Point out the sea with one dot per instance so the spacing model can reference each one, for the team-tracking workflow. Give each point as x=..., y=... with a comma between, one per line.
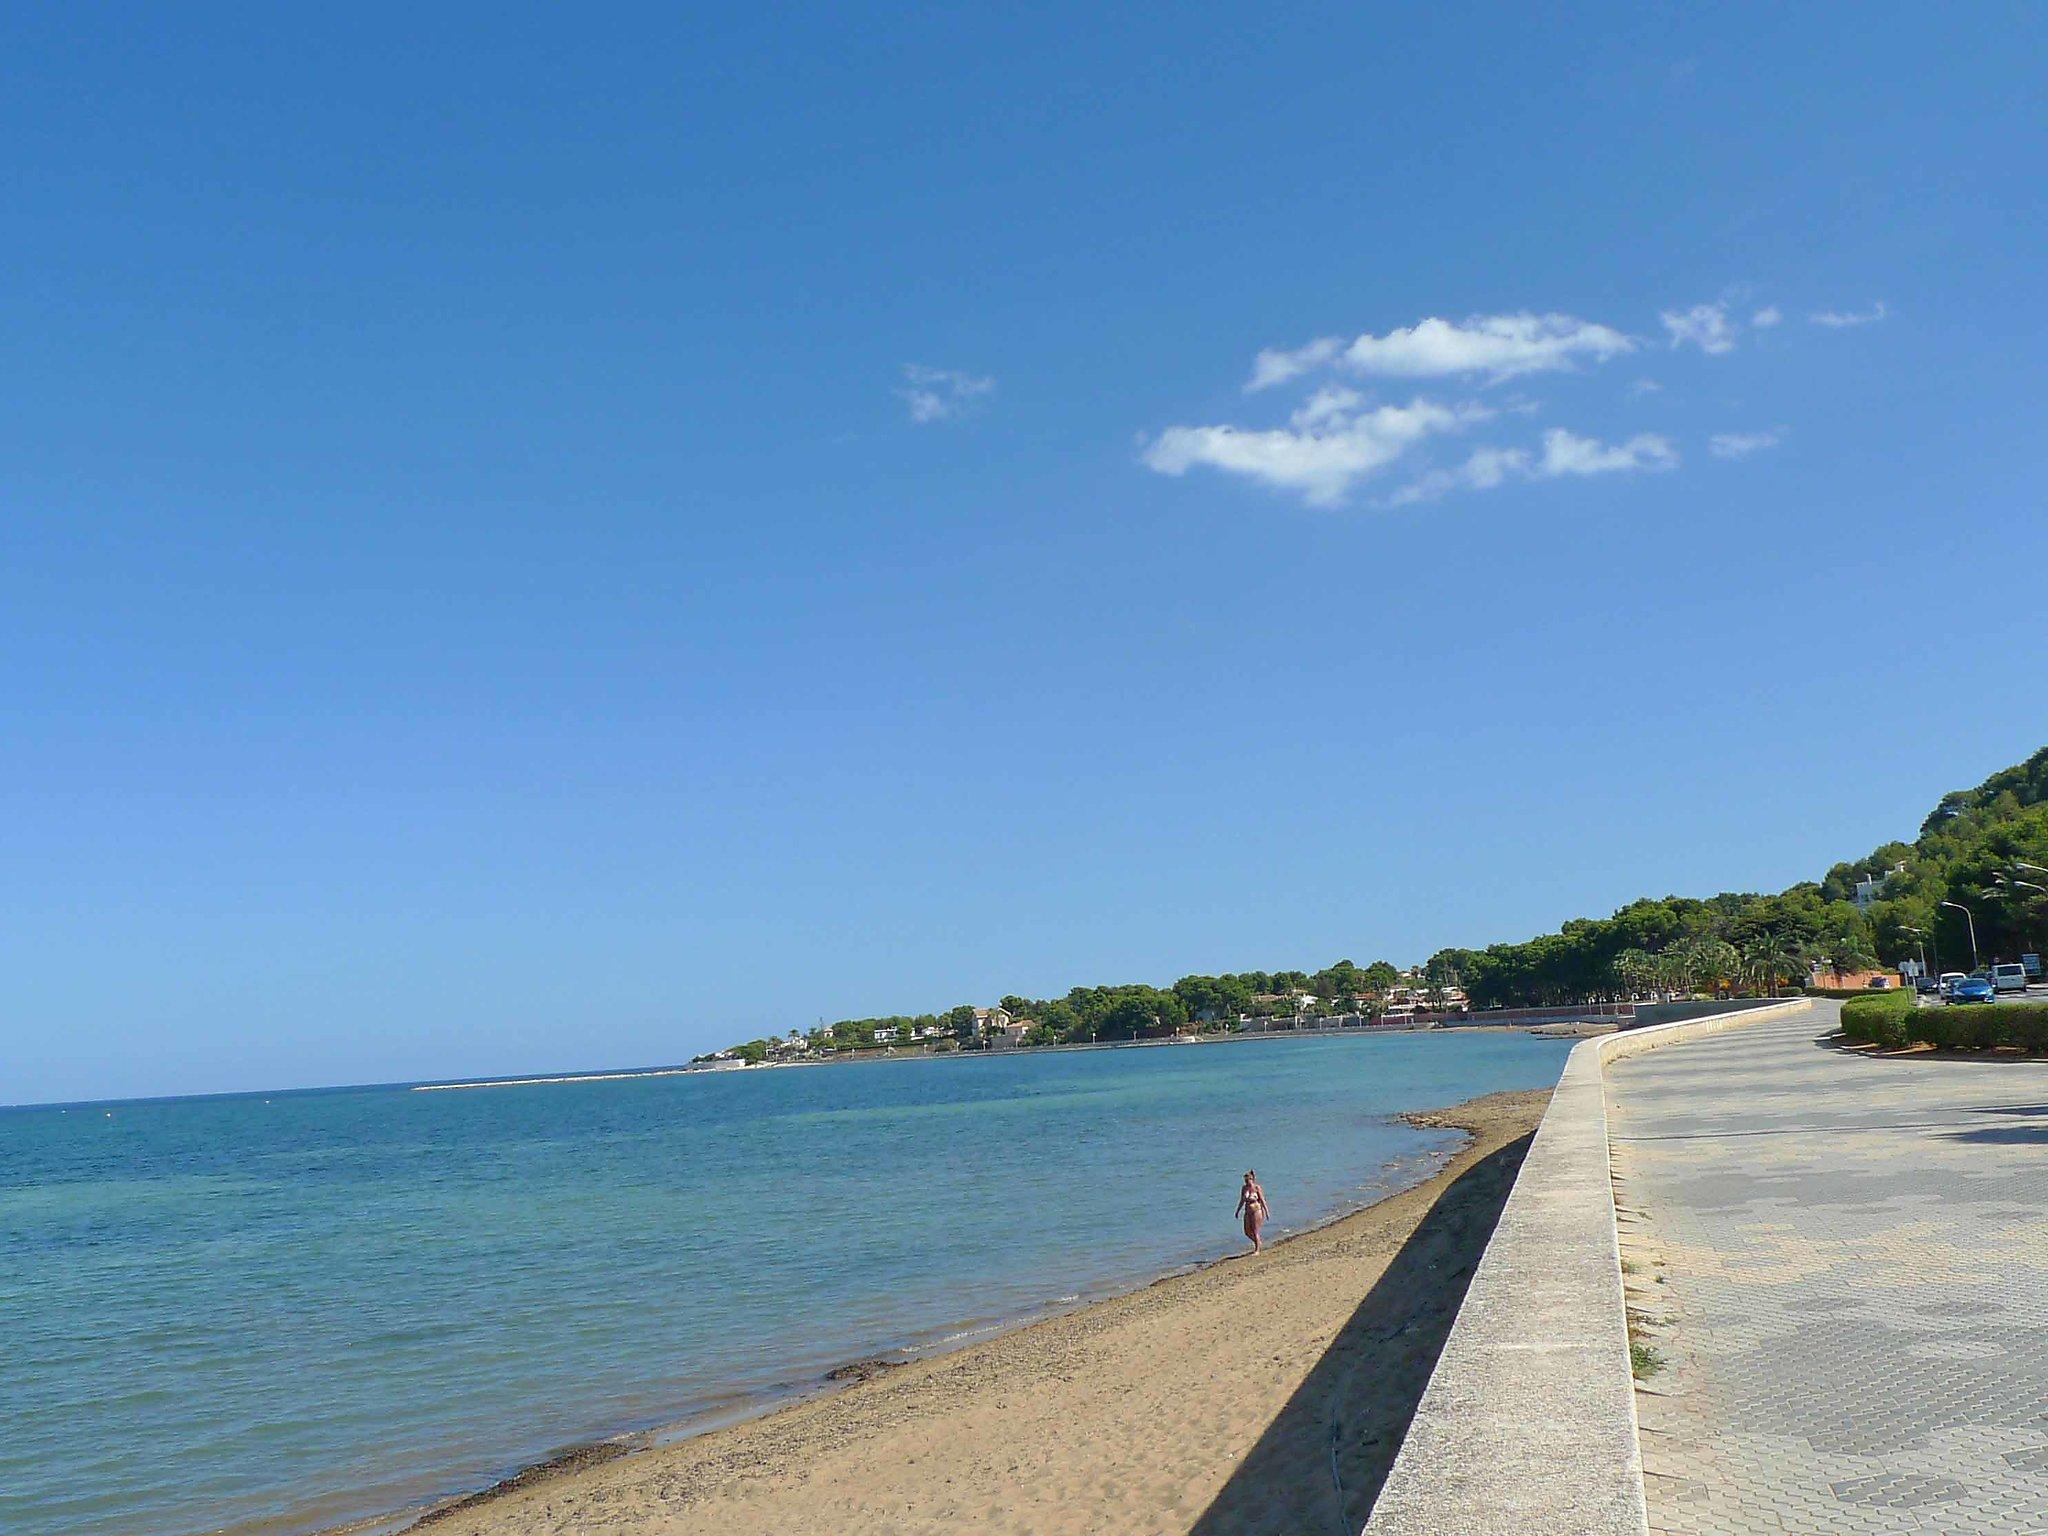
x=269, y=1314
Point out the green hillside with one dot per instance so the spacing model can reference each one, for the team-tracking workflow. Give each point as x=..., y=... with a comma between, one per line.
x=1985, y=848
x=1977, y=848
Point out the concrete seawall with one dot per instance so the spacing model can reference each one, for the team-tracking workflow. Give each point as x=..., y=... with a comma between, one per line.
x=1528, y=1425
x=1651, y=1014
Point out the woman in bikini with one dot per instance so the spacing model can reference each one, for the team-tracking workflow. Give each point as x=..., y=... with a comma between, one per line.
x=1251, y=1205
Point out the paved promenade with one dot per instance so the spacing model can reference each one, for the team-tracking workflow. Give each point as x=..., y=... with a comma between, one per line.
x=1854, y=1257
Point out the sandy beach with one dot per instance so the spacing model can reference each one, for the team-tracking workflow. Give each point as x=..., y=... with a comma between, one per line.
x=1256, y=1395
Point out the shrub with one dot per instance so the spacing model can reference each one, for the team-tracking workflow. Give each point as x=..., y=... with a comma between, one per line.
x=1954, y=1029
x=1882, y=1018
x=1894, y=1023
x=2025, y=1025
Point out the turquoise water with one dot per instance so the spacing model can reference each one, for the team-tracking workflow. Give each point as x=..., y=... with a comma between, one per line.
x=282, y=1313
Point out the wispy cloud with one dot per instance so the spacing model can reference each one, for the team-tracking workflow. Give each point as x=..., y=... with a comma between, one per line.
x=1482, y=471
x=1704, y=326
x=1563, y=453
x=1494, y=346
x=942, y=394
x=1767, y=317
x=1566, y=453
x=1740, y=445
x=1328, y=446
x=1643, y=387
x=1841, y=319
x=1276, y=366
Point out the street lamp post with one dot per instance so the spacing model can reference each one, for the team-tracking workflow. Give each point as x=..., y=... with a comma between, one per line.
x=2027, y=885
x=1972, y=921
x=1919, y=934
x=1999, y=892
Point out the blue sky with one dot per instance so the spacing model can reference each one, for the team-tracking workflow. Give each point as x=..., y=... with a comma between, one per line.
x=534, y=540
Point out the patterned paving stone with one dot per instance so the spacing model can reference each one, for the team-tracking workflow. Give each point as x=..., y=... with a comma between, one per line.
x=1845, y=1263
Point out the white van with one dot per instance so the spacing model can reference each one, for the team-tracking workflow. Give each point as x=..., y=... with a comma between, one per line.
x=2008, y=978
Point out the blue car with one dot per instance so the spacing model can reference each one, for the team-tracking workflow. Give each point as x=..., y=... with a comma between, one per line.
x=1971, y=989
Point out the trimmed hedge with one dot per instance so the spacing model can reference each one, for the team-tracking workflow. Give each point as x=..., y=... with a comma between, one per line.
x=1894, y=1021
x=1848, y=992
x=1879, y=1017
x=1979, y=1027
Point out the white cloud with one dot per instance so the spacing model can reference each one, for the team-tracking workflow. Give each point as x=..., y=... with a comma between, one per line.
x=1767, y=317
x=941, y=394
x=1704, y=325
x=1328, y=446
x=1338, y=438
x=1497, y=346
x=1327, y=405
x=1837, y=319
x=1564, y=453
x=1485, y=469
x=1274, y=366
x=1740, y=445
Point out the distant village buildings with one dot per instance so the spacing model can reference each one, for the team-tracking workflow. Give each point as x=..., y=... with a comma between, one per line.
x=1410, y=1002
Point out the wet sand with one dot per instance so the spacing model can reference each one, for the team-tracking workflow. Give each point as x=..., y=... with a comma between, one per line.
x=1258, y=1395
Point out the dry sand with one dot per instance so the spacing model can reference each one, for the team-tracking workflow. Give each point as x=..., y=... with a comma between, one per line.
x=1257, y=1395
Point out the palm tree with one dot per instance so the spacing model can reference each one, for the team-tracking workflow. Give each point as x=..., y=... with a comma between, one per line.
x=1635, y=971
x=1771, y=957
x=1703, y=964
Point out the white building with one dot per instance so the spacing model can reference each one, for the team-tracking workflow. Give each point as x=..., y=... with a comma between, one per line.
x=1871, y=887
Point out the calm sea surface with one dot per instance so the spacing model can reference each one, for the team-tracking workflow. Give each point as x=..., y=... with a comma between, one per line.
x=285, y=1312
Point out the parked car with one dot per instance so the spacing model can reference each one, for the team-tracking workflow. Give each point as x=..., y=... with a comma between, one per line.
x=1926, y=983
x=2009, y=978
x=1949, y=980
x=1971, y=989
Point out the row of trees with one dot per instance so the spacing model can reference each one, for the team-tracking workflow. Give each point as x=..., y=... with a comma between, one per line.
x=1672, y=945
x=1668, y=946
x=1129, y=1012
x=1981, y=860
x=1133, y=1012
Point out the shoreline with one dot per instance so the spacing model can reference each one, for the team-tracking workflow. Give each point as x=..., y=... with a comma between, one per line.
x=729, y=1455
x=1549, y=1030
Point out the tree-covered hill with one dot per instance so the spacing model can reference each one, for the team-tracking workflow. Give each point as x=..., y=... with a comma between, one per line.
x=1984, y=849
